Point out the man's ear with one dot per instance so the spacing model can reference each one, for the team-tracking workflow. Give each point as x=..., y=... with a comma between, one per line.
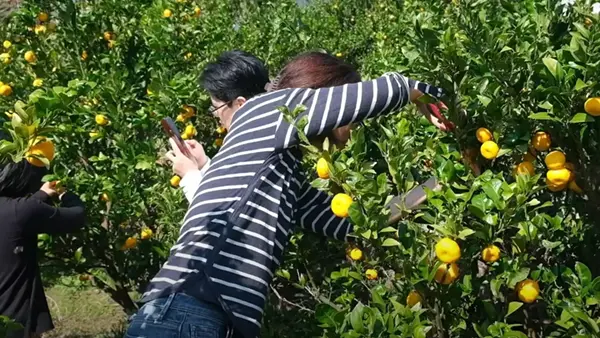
x=240, y=100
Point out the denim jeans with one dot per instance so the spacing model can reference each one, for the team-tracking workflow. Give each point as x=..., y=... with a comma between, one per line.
x=179, y=316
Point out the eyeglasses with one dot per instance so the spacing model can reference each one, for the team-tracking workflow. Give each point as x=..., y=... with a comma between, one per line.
x=213, y=109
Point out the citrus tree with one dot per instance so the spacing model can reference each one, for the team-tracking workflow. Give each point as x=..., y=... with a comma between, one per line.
x=505, y=248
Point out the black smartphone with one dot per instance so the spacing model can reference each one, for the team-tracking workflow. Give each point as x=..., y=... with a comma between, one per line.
x=172, y=132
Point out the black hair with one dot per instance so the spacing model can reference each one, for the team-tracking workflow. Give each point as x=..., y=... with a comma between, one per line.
x=235, y=73
x=19, y=179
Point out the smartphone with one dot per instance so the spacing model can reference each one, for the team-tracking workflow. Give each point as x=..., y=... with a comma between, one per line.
x=172, y=132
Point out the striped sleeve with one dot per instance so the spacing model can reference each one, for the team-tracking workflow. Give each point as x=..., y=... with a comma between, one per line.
x=330, y=108
x=315, y=214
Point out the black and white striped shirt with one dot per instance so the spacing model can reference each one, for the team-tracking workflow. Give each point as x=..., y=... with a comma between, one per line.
x=254, y=192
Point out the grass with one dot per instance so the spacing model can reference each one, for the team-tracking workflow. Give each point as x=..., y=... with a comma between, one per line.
x=84, y=313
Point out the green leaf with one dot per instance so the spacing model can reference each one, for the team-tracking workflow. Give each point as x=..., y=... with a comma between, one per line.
x=390, y=242
x=580, y=85
x=376, y=298
x=542, y=116
x=584, y=274
x=465, y=233
x=552, y=65
x=325, y=314
x=581, y=118
x=356, y=318
x=143, y=165
x=512, y=307
x=517, y=276
x=387, y=229
x=484, y=100
x=78, y=255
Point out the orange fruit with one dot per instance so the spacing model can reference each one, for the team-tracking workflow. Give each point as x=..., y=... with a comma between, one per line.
x=555, y=160
x=40, y=148
x=105, y=197
x=491, y=253
x=555, y=187
x=340, y=205
x=130, y=243
x=447, y=273
x=356, y=254
x=146, y=233
x=43, y=17
x=541, y=141
x=484, y=135
x=101, y=120
x=323, y=168
x=197, y=11
x=30, y=56
x=558, y=177
x=108, y=36
x=592, y=106
x=38, y=82
x=5, y=90
x=175, y=180
x=525, y=168
x=371, y=274
x=489, y=150
x=219, y=142
x=167, y=13
x=447, y=250
x=84, y=55
x=413, y=298
x=528, y=290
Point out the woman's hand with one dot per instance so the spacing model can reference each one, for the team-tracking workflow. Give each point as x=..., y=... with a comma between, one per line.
x=53, y=189
x=197, y=151
x=181, y=163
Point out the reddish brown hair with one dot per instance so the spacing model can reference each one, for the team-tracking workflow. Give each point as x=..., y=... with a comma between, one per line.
x=316, y=70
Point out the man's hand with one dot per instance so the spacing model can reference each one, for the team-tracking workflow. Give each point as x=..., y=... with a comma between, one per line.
x=422, y=107
x=197, y=151
x=181, y=163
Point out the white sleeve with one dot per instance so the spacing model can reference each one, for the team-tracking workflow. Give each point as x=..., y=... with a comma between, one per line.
x=190, y=182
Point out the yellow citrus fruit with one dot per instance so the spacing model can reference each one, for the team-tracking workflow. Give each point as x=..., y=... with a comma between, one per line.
x=491, y=253
x=38, y=82
x=6, y=44
x=558, y=176
x=39, y=29
x=108, y=36
x=187, y=56
x=175, y=180
x=483, y=135
x=575, y=188
x=525, y=168
x=221, y=130
x=447, y=250
x=339, y=55
x=219, y=142
x=489, y=150
x=105, y=197
x=5, y=90
x=340, y=205
x=180, y=118
x=555, y=187
x=94, y=134
x=30, y=56
x=413, y=298
x=592, y=106
x=588, y=21
x=186, y=136
x=5, y=58
x=528, y=290
x=146, y=233
x=356, y=254
x=555, y=160
x=101, y=120
x=167, y=13
x=43, y=16
x=541, y=141
x=111, y=43
x=40, y=148
x=188, y=111
x=323, y=168
x=130, y=243
x=84, y=55
x=371, y=274
x=190, y=130
x=447, y=273
x=197, y=11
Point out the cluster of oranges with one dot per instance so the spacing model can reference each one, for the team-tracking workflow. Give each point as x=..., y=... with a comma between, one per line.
x=131, y=242
x=341, y=202
x=489, y=149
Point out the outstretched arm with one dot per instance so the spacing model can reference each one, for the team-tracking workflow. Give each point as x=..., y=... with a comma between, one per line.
x=315, y=214
x=44, y=218
x=330, y=108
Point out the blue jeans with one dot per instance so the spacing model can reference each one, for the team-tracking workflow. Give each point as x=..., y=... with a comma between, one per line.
x=179, y=316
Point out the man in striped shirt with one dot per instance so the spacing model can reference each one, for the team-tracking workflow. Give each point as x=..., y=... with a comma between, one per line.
x=249, y=198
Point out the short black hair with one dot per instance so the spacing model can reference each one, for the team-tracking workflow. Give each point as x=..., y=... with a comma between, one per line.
x=235, y=73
